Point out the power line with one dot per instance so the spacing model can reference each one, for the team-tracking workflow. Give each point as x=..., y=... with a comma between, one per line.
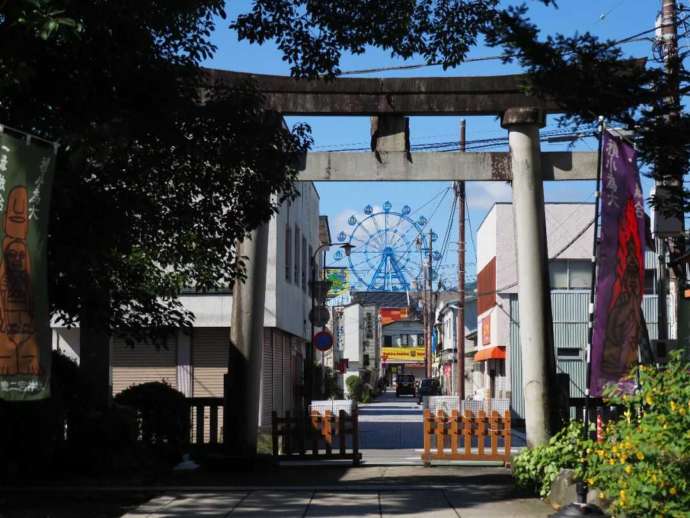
x=628, y=39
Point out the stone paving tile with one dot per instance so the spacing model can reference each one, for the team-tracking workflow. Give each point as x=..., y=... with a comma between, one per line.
x=343, y=505
x=420, y=504
x=273, y=503
x=495, y=502
x=189, y=505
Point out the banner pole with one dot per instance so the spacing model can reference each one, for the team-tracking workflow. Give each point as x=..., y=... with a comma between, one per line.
x=582, y=487
x=595, y=253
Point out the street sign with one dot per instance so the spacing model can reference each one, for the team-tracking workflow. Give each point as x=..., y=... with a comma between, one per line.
x=319, y=316
x=323, y=341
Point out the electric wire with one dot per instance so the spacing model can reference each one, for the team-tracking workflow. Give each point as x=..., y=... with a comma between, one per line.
x=628, y=39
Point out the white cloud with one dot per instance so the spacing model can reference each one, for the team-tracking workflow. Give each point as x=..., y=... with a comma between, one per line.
x=482, y=195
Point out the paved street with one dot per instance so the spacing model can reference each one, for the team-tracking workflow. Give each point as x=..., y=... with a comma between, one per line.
x=390, y=429
x=467, y=502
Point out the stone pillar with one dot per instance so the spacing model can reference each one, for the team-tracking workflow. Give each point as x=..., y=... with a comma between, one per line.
x=243, y=381
x=533, y=274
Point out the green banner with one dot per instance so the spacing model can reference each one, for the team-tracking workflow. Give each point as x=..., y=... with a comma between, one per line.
x=26, y=177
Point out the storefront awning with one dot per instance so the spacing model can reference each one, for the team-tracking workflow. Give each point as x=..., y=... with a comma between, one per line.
x=496, y=352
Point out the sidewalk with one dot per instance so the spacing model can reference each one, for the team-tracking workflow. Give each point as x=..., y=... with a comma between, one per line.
x=443, y=492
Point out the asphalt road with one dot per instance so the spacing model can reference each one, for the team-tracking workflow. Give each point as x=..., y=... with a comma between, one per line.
x=390, y=430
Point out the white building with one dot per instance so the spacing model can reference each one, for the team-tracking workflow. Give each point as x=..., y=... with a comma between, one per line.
x=447, y=354
x=360, y=341
x=195, y=363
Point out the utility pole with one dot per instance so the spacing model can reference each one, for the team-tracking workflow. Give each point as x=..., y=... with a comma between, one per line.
x=669, y=231
x=429, y=308
x=460, y=331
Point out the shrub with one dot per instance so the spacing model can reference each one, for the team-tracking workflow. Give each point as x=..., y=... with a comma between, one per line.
x=355, y=387
x=164, y=416
x=644, y=463
x=537, y=468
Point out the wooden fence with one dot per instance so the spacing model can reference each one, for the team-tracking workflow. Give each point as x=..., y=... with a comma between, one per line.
x=206, y=421
x=453, y=436
x=316, y=436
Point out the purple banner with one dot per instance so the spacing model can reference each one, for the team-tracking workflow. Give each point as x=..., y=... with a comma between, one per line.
x=620, y=263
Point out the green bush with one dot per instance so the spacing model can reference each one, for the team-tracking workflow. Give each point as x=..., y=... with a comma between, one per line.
x=355, y=387
x=643, y=465
x=164, y=416
x=536, y=468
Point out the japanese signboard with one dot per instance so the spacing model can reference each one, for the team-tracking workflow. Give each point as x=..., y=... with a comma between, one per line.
x=402, y=354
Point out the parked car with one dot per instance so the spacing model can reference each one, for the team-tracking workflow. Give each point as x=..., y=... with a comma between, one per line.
x=428, y=387
x=405, y=385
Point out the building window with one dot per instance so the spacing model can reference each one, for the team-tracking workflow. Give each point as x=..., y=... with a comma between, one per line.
x=297, y=256
x=288, y=253
x=305, y=263
x=580, y=274
x=570, y=274
x=388, y=341
x=568, y=352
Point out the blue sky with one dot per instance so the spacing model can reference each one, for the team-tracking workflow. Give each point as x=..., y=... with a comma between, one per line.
x=607, y=18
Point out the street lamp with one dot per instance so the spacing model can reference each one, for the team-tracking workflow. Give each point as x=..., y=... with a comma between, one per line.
x=319, y=290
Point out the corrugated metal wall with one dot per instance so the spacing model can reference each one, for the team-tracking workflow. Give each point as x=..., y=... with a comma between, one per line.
x=143, y=363
x=210, y=347
x=267, y=379
x=570, y=316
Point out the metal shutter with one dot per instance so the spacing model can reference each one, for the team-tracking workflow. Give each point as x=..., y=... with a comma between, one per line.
x=209, y=360
x=143, y=363
x=267, y=379
x=277, y=352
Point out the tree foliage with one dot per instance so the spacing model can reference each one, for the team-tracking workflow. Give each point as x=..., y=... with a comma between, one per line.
x=159, y=170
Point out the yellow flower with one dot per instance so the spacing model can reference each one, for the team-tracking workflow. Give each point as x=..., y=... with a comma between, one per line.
x=590, y=482
x=602, y=495
x=612, y=461
x=628, y=469
x=673, y=406
x=682, y=411
x=654, y=478
x=673, y=490
x=649, y=400
x=639, y=455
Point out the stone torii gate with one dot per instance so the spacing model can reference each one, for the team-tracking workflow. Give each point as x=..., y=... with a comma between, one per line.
x=389, y=101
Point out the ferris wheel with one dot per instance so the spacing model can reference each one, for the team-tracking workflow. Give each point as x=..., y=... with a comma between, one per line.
x=390, y=248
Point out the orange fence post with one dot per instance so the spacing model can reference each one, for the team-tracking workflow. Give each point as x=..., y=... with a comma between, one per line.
x=507, y=437
x=440, y=434
x=454, y=433
x=481, y=431
x=315, y=432
x=493, y=424
x=327, y=430
x=467, y=431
